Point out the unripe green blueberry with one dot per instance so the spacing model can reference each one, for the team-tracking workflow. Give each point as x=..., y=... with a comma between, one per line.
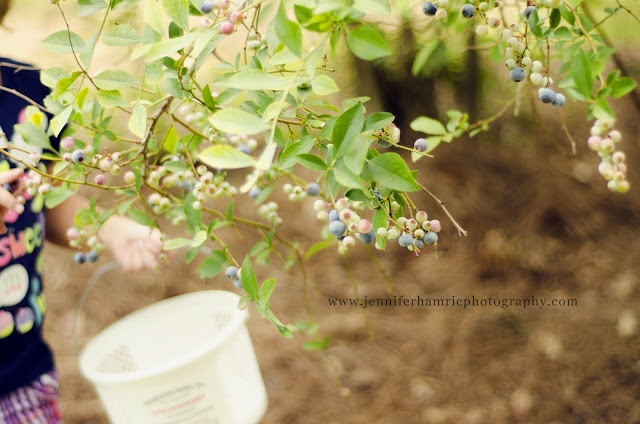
x=287, y=188
x=115, y=169
x=483, y=7
x=494, y=22
x=254, y=45
x=318, y=205
x=442, y=4
x=44, y=189
x=618, y=157
x=547, y=81
x=395, y=206
x=197, y=205
x=482, y=30
x=615, y=136
x=607, y=145
x=419, y=233
x=605, y=169
x=512, y=42
x=402, y=221
x=441, y=15
x=342, y=249
x=117, y=156
x=526, y=62
x=393, y=234
x=612, y=185
x=536, y=66
x=421, y=216
x=510, y=64
x=623, y=186
x=323, y=215
x=536, y=78
x=382, y=232
x=293, y=197
x=412, y=224
x=426, y=225
x=505, y=34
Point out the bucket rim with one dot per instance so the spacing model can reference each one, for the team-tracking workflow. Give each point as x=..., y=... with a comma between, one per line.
x=207, y=347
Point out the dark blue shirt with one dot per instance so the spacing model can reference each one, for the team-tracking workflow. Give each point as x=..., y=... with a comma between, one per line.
x=24, y=356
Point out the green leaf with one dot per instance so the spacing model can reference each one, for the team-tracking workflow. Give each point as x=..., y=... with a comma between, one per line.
x=60, y=120
x=581, y=73
x=554, y=18
x=153, y=16
x=380, y=219
x=249, y=281
x=318, y=247
x=50, y=77
x=167, y=47
x=252, y=79
x=111, y=99
x=33, y=135
x=237, y=121
x=378, y=120
x=177, y=243
x=428, y=126
x=355, y=157
x=563, y=33
x=283, y=329
x=345, y=177
x=601, y=110
x=347, y=127
x=63, y=85
x=114, y=79
x=89, y=7
x=199, y=239
x=124, y=207
x=121, y=35
x=390, y=170
x=59, y=43
x=287, y=31
x=84, y=217
x=141, y=217
x=213, y=265
x=138, y=121
x=622, y=86
x=57, y=196
x=288, y=156
x=311, y=162
x=178, y=11
x=266, y=290
x=60, y=166
x=423, y=55
x=224, y=156
x=534, y=24
x=86, y=55
x=367, y=43
x=323, y=85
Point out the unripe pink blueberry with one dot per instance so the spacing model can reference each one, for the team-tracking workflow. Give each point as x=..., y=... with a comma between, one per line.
x=421, y=216
x=352, y=227
x=227, y=28
x=364, y=226
x=222, y=4
x=117, y=156
x=67, y=143
x=349, y=241
x=607, y=144
x=236, y=17
x=435, y=225
x=594, y=142
x=622, y=168
x=99, y=179
x=35, y=157
x=106, y=164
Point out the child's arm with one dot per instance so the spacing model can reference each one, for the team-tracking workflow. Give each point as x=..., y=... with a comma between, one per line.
x=135, y=246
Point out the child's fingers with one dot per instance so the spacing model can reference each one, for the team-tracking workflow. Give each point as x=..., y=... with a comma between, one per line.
x=148, y=260
x=11, y=175
x=7, y=200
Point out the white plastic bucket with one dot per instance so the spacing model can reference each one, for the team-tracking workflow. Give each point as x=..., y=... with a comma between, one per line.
x=184, y=360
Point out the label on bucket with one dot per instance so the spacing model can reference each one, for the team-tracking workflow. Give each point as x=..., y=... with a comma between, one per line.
x=187, y=404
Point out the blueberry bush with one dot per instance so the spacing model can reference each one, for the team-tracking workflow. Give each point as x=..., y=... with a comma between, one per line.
x=173, y=135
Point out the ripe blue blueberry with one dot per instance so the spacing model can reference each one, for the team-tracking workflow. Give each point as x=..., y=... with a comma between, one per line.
x=206, y=7
x=528, y=11
x=429, y=8
x=368, y=237
x=468, y=11
x=334, y=215
x=430, y=237
x=79, y=258
x=559, y=100
x=517, y=74
x=78, y=156
x=377, y=194
x=92, y=256
x=244, y=149
x=418, y=243
x=421, y=145
x=383, y=144
x=231, y=272
x=547, y=95
x=237, y=282
x=337, y=228
x=313, y=189
x=405, y=240
x=254, y=192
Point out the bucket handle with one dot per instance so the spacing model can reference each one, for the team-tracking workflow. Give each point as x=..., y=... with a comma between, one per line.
x=92, y=282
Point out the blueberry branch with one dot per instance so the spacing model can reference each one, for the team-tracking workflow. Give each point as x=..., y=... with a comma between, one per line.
x=461, y=231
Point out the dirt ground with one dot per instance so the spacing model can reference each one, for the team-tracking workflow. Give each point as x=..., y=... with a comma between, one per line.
x=540, y=224
x=534, y=230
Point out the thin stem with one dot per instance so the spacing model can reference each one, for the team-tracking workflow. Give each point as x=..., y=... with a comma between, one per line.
x=23, y=97
x=380, y=267
x=629, y=11
x=566, y=131
x=461, y=231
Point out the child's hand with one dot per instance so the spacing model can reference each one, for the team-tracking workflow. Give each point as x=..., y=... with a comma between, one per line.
x=7, y=199
x=135, y=246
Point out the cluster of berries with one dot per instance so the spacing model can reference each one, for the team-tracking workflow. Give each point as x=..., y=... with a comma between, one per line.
x=412, y=233
x=298, y=193
x=233, y=273
x=344, y=222
x=80, y=238
x=468, y=11
x=254, y=41
x=103, y=163
x=269, y=211
x=34, y=184
x=234, y=18
x=612, y=166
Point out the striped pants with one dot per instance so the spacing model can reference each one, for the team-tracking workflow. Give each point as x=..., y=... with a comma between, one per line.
x=36, y=403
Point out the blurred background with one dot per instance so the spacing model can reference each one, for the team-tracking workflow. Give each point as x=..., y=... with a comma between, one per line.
x=541, y=223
